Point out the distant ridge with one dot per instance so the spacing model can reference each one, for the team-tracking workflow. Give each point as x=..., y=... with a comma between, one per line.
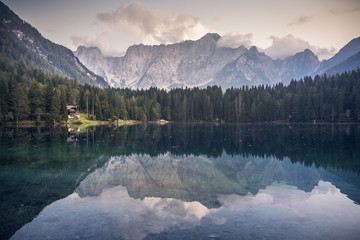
x=349, y=50
x=201, y=63
x=349, y=64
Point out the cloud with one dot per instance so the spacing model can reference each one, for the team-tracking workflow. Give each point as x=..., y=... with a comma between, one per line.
x=134, y=13
x=218, y=20
x=301, y=21
x=324, y=53
x=289, y=45
x=235, y=40
x=50, y=30
x=116, y=214
x=155, y=26
x=80, y=40
x=101, y=40
x=344, y=10
x=134, y=23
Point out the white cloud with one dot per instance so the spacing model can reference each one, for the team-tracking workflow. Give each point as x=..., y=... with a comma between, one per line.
x=79, y=40
x=135, y=13
x=102, y=40
x=283, y=47
x=235, y=40
x=135, y=23
x=114, y=212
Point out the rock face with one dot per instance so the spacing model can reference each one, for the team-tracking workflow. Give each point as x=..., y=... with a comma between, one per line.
x=297, y=66
x=349, y=64
x=342, y=58
x=189, y=63
x=201, y=63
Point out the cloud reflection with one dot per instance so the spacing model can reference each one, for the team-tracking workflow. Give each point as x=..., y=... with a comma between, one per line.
x=114, y=214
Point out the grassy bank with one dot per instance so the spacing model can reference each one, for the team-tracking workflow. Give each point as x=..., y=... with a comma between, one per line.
x=84, y=121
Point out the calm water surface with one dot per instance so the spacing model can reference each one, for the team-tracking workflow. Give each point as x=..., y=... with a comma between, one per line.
x=181, y=181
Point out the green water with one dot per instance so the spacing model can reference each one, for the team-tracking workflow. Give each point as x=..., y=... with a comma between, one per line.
x=181, y=181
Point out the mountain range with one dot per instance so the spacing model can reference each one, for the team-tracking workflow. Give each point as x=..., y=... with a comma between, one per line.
x=202, y=62
x=186, y=64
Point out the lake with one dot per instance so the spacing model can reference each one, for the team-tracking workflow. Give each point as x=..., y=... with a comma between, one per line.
x=181, y=181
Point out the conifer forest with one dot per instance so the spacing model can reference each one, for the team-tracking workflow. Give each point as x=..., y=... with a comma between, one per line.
x=28, y=93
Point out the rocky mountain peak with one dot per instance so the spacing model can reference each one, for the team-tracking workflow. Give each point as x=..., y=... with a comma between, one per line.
x=307, y=52
x=254, y=51
x=308, y=55
x=198, y=63
x=211, y=37
x=89, y=50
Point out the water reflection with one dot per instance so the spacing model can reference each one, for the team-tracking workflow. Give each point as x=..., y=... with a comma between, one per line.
x=198, y=178
x=202, y=165
x=278, y=212
x=194, y=178
x=326, y=145
x=144, y=197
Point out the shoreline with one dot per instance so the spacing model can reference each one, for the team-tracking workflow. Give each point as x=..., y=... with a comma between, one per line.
x=81, y=122
x=30, y=124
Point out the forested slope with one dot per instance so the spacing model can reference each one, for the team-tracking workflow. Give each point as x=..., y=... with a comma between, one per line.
x=28, y=93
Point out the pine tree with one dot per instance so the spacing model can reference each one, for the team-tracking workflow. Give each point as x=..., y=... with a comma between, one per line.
x=98, y=108
x=20, y=104
x=49, y=93
x=54, y=113
x=63, y=110
x=35, y=95
x=134, y=111
x=87, y=97
x=123, y=112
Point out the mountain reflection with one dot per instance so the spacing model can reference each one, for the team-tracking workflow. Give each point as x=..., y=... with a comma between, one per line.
x=279, y=211
x=194, y=178
x=202, y=179
x=185, y=164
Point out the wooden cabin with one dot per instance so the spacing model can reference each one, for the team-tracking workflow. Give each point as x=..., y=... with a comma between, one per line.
x=72, y=110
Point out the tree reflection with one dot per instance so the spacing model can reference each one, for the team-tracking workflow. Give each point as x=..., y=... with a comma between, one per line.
x=324, y=145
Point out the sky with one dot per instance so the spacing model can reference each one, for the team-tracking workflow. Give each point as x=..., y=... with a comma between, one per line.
x=279, y=28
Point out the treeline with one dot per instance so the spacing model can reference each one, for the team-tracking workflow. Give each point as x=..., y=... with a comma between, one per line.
x=27, y=93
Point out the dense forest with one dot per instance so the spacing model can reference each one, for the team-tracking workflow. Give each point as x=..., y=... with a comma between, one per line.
x=27, y=93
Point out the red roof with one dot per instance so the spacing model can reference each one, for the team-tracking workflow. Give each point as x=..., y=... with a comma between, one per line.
x=70, y=107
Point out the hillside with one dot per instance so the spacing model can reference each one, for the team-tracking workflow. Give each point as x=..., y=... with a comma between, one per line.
x=20, y=41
